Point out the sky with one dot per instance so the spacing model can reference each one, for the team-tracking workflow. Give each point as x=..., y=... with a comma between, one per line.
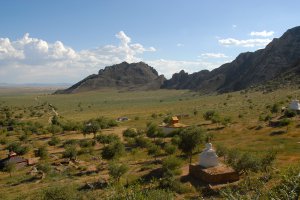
x=63, y=41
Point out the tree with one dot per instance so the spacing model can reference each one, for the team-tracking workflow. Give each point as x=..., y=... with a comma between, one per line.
x=91, y=126
x=190, y=138
x=116, y=171
x=9, y=167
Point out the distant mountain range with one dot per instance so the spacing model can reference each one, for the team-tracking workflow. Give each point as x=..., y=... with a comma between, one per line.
x=279, y=62
x=35, y=84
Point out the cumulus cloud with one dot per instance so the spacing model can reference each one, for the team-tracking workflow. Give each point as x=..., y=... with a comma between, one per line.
x=244, y=43
x=34, y=60
x=262, y=33
x=213, y=55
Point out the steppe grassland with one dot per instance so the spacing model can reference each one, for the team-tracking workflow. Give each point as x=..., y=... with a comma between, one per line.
x=145, y=106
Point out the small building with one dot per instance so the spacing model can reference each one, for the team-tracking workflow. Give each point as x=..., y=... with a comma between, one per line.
x=13, y=158
x=172, y=126
x=175, y=120
x=295, y=105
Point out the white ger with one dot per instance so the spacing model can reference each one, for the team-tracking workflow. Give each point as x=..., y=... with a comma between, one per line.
x=208, y=158
x=295, y=105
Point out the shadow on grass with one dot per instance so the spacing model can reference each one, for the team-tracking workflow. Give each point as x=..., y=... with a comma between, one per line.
x=216, y=129
x=153, y=174
x=280, y=132
x=27, y=180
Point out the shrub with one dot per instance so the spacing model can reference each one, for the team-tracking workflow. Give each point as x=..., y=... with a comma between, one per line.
x=107, y=139
x=290, y=113
x=87, y=143
x=130, y=132
x=208, y=115
x=71, y=142
x=171, y=166
x=54, y=141
x=116, y=171
x=170, y=149
x=54, y=129
x=60, y=193
x=41, y=152
x=113, y=150
x=18, y=148
x=154, y=150
x=142, y=142
x=70, y=152
x=284, y=122
x=44, y=167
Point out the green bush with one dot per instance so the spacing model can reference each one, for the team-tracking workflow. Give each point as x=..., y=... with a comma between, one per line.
x=289, y=113
x=116, y=171
x=142, y=142
x=209, y=115
x=284, y=122
x=70, y=152
x=171, y=166
x=87, y=143
x=170, y=149
x=54, y=141
x=113, y=150
x=18, y=148
x=130, y=132
x=60, y=193
x=41, y=152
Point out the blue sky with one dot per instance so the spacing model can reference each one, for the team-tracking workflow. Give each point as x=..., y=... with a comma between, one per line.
x=64, y=41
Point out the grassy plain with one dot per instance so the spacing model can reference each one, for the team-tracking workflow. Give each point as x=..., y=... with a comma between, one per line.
x=245, y=132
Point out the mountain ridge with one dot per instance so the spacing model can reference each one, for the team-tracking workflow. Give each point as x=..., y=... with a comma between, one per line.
x=279, y=59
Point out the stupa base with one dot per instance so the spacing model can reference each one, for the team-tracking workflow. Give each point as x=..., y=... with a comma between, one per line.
x=214, y=175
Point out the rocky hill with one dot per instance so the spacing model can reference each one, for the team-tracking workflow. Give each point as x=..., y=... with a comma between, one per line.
x=134, y=76
x=278, y=63
x=280, y=59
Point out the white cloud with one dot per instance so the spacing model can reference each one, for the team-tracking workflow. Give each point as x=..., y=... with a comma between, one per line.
x=35, y=60
x=179, y=45
x=262, y=33
x=234, y=26
x=213, y=55
x=245, y=43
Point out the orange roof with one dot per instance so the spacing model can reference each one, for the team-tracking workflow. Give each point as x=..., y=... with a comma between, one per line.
x=174, y=118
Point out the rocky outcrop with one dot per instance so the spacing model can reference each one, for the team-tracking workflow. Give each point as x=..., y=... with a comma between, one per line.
x=134, y=76
x=281, y=56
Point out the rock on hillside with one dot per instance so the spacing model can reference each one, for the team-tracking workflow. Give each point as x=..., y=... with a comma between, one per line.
x=134, y=76
x=281, y=56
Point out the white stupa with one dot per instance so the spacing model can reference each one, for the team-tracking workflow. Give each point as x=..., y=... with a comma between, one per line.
x=208, y=158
